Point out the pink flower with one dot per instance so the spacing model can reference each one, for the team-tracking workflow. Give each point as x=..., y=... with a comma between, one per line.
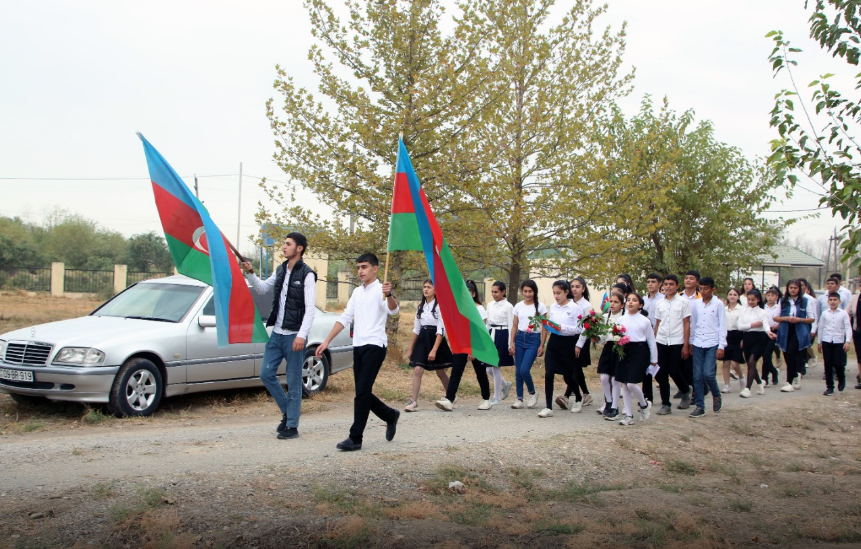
x=579, y=317
x=625, y=340
x=591, y=313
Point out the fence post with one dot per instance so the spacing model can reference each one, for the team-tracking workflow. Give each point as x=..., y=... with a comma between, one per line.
x=344, y=288
x=58, y=279
x=121, y=278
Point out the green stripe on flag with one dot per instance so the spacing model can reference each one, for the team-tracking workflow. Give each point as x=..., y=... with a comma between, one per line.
x=189, y=261
x=404, y=233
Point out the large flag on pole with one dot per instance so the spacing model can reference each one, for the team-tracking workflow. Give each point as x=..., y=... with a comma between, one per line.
x=200, y=251
x=414, y=227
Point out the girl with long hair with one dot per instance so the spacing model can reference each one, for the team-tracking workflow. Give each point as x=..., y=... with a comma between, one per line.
x=640, y=351
x=755, y=325
x=500, y=320
x=527, y=342
x=428, y=350
x=793, y=334
x=580, y=291
x=733, y=355
x=564, y=347
x=609, y=358
x=772, y=309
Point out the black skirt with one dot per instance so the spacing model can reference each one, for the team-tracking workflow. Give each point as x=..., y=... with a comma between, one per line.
x=502, y=341
x=585, y=358
x=632, y=367
x=559, y=358
x=424, y=343
x=733, y=346
x=754, y=345
x=608, y=360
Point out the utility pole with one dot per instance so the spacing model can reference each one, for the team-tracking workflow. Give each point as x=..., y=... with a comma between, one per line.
x=352, y=216
x=239, y=207
x=196, y=192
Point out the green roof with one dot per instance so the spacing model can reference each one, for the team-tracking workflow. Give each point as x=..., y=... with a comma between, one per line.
x=787, y=256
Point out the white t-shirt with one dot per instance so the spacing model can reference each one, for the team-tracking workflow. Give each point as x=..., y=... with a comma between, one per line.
x=523, y=311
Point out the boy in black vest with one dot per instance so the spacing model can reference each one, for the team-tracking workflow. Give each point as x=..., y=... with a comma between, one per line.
x=292, y=315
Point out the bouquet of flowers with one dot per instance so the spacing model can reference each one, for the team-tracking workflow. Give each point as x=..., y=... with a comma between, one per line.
x=620, y=340
x=593, y=325
x=535, y=323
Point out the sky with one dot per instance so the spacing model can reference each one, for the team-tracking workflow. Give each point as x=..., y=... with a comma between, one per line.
x=80, y=77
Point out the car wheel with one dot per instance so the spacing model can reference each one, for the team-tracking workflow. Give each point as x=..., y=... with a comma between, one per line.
x=137, y=389
x=26, y=400
x=315, y=373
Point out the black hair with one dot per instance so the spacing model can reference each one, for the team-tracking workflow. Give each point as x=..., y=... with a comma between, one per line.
x=832, y=279
x=582, y=283
x=565, y=288
x=775, y=289
x=674, y=278
x=501, y=285
x=622, y=287
x=707, y=281
x=694, y=273
x=654, y=276
x=299, y=239
x=424, y=301
x=756, y=293
x=368, y=258
x=734, y=289
x=786, y=297
x=838, y=276
x=643, y=311
x=834, y=294
x=752, y=281
x=620, y=297
x=529, y=283
x=809, y=290
x=473, y=290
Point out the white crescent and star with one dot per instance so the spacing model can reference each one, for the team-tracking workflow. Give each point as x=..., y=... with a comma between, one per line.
x=199, y=239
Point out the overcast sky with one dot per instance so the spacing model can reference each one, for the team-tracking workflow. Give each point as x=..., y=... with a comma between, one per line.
x=81, y=77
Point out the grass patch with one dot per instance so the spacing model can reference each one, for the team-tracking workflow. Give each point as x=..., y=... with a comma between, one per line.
x=95, y=416
x=798, y=467
x=338, y=500
x=758, y=461
x=438, y=483
x=574, y=492
x=680, y=466
x=740, y=506
x=672, y=488
x=390, y=394
x=794, y=491
x=743, y=429
x=471, y=514
x=103, y=490
x=556, y=527
x=348, y=533
x=524, y=478
x=685, y=438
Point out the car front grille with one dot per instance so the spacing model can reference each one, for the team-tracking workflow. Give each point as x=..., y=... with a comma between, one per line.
x=28, y=354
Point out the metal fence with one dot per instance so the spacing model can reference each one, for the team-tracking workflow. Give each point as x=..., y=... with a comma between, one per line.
x=411, y=289
x=20, y=278
x=90, y=282
x=137, y=276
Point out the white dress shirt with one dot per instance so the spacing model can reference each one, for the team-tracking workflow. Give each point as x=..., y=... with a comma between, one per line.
x=612, y=319
x=708, y=324
x=812, y=312
x=310, y=290
x=481, y=312
x=639, y=329
x=649, y=305
x=845, y=297
x=773, y=311
x=732, y=316
x=751, y=315
x=500, y=313
x=523, y=311
x=367, y=310
x=835, y=327
x=429, y=315
x=566, y=316
x=672, y=314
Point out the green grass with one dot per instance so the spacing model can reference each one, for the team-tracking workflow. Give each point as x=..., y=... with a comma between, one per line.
x=680, y=466
x=574, y=492
x=344, y=502
x=556, y=527
x=103, y=490
x=740, y=506
x=524, y=478
x=438, y=483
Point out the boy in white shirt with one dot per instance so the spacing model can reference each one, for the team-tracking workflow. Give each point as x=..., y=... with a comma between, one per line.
x=835, y=334
x=672, y=334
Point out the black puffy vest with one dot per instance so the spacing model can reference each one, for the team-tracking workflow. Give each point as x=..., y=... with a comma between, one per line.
x=294, y=305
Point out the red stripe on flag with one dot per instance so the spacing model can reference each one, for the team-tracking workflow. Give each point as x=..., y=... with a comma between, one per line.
x=402, y=201
x=242, y=310
x=177, y=219
x=456, y=325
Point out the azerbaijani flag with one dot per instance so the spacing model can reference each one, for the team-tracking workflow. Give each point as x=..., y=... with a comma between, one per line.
x=414, y=227
x=605, y=302
x=552, y=327
x=199, y=251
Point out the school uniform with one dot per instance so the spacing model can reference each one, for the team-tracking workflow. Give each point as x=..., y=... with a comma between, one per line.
x=500, y=317
x=770, y=345
x=708, y=335
x=458, y=365
x=640, y=350
x=527, y=340
x=427, y=326
x=845, y=297
x=794, y=339
x=688, y=364
x=584, y=360
x=560, y=356
x=835, y=329
x=754, y=338
x=670, y=339
x=609, y=358
x=650, y=303
x=733, y=350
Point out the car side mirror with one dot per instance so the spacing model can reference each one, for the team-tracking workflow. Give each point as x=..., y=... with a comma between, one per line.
x=206, y=321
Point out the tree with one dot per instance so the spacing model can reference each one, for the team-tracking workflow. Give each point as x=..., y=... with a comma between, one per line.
x=705, y=196
x=18, y=247
x=819, y=140
x=80, y=243
x=147, y=252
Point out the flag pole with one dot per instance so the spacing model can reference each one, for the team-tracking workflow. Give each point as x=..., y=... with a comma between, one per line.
x=232, y=247
x=394, y=182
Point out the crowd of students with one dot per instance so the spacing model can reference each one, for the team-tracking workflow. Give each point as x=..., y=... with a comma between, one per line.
x=678, y=331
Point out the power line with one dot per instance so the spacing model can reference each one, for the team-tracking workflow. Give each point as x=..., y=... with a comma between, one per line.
x=101, y=178
x=801, y=210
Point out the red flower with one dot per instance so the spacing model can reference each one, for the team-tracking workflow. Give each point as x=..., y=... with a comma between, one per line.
x=579, y=317
x=586, y=325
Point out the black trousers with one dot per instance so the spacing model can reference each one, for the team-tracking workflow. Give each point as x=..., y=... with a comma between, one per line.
x=574, y=383
x=835, y=361
x=671, y=363
x=793, y=356
x=768, y=362
x=367, y=361
x=458, y=365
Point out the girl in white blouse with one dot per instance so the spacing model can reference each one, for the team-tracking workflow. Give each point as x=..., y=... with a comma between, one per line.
x=755, y=324
x=500, y=320
x=640, y=351
x=564, y=347
x=428, y=350
x=609, y=359
x=772, y=309
x=733, y=355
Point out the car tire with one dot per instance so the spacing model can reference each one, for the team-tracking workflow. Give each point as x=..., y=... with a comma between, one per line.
x=26, y=400
x=137, y=389
x=315, y=372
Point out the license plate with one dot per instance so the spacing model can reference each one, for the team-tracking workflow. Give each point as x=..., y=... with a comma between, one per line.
x=16, y=375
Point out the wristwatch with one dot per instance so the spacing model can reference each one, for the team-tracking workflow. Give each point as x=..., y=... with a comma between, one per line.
x=390, y=295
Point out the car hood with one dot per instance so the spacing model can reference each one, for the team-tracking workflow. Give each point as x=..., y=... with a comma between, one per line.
x=91, y=331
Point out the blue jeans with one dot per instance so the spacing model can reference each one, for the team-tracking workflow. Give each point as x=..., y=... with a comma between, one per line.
x=278, y=348
x=525, y=350
x=705, y=367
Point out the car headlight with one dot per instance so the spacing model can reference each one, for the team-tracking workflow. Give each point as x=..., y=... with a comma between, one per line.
x=84, y=356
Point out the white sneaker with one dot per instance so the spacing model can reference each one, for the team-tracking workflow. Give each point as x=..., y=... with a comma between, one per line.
x=760, y=388
x=575, y=407
x=745, y=393
x=646, y=412
x=725, y=389
x=732, y=374
x=796, y=383
x=532, y=401
x=494, y=402
x=587, y=399
x=546, y=412
x=506, y=389
x=601, y=409
x=742, y=383
x=627, y=420
x=484, y=405
x=787, y=388
x=518, y=405
x=444, y=404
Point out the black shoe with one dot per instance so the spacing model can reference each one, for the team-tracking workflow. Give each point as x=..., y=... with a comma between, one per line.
x=698, y=412
x=289, y=432
x=392, y=426
x=686, y=401
x=858, y=386
x=828, y=392
x=612, y=415
x=282, y=425
x=678, y=394
x=841, y=385
x=347, y=445
x=717, y=404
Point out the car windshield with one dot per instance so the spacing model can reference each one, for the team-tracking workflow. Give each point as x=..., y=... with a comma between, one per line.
x=158, y=302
